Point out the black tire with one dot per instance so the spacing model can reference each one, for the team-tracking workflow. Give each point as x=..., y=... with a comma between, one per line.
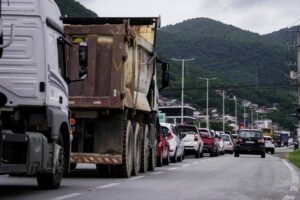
x=104, y=170
x=197, y=153
x=212, y=154
x=145, y=150
x=49, y=180
x=152, y=159
x=179, y=159
x=231, y=152
x=73, y=166
x=222, y=152
x=273, y=151
x=201, y=154
x=263, y=155
x=124, y=170
x=137, y=152
x=159, y=161
x=236, y=154
x=174, y=158
x=167, y=160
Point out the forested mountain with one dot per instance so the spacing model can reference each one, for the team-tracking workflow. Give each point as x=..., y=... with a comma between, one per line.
x=247, y=65
x=72, y=8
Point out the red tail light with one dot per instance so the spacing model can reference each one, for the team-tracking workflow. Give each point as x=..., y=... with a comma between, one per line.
x=170, y=136
x=196, y=137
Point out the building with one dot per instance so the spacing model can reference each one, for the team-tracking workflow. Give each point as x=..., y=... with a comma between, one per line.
x=173, y=114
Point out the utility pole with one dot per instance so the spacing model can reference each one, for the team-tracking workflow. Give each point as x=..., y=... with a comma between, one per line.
x=244, y=116
x=224, y=111
x=182, y=84
x=207, y=98
x=235, y=109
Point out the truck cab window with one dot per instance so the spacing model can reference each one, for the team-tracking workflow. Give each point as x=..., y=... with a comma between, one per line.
x=61, y=58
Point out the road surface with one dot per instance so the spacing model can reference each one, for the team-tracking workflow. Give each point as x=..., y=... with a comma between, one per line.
x=224, y=177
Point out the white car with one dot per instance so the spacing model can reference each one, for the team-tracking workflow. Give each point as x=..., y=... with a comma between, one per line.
x=228, y=143
x=269, y=144
x=175, y=140
x=193, y=143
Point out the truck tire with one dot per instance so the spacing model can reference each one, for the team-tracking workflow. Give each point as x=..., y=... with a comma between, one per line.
x=138, y=134
x=49, y=180
x=124, y=170
x=145, y=150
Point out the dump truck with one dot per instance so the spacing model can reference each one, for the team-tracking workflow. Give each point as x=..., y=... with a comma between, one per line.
x=34, y=114
x=115, y=110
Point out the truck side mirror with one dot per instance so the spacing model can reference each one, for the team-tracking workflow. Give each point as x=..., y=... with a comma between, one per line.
x=83, y=60
x=165, y=75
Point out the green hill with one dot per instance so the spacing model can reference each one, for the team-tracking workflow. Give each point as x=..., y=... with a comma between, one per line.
x=72, y=8
x=247, y=65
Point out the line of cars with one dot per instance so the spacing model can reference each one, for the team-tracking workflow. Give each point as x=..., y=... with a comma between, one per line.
x=177, y=141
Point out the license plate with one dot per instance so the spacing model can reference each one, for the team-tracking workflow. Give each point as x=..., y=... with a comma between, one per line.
x=249, y=142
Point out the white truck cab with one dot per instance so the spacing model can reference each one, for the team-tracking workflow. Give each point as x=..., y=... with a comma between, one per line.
x=34, y=92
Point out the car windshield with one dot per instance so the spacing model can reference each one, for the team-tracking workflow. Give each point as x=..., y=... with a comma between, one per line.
x=187, y=130
x=250, y=134
x=165, y=130
x=225, y=137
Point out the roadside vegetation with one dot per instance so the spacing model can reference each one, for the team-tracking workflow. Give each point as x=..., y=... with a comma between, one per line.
x=294, y=157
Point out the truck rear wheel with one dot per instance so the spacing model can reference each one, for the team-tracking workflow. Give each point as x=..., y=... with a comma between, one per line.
x=50, y=180
x=138, y=134
x=124, y=170
x=145, y=150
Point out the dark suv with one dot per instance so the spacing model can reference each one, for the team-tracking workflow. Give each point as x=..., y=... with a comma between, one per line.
x=250, y=142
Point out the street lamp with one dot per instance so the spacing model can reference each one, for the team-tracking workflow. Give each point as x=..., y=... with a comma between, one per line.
x=207, y=84
x=224, y=111
x=235, y=101
x=182, y=83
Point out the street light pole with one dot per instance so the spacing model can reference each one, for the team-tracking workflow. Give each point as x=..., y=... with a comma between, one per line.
x=235, y=101
x=245, y=116
x=182, y=83
x=224, y=111
x=207, y=94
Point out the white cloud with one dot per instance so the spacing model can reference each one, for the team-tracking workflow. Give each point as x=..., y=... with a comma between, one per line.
x=262, y=16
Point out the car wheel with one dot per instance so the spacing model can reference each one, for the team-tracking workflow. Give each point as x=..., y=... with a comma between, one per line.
x=236, y=154
x=174, y=159
x=179, y=159
x=273, y=151
x=197, y=153
x=201, y=154
x=263, y=155
x=159, y=162
x=167, y=160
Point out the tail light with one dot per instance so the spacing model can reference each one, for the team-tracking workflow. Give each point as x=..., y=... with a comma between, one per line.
x=261, y=141
x=196, y=137
x=170, y=136
x=238, y=140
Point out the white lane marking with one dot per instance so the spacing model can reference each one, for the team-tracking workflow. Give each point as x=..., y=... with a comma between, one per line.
x=287, y=197
x=136, y=178
x=174, y=168
x=67, y=196
x=108, y=186
x=154, y=173
x=295, y=179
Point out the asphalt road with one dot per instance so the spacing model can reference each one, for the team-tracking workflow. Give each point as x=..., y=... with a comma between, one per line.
x=223, y=177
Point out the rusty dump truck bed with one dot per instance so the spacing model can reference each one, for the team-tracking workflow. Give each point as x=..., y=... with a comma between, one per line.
x=121, y=62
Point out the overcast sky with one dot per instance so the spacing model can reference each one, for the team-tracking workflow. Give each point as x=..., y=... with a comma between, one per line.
x=260, y=16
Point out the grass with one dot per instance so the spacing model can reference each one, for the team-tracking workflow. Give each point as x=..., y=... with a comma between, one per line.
x=294, y=157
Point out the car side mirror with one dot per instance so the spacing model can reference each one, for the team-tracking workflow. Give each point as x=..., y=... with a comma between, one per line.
x=165, y=75
x=83, y=60
x=183, y=135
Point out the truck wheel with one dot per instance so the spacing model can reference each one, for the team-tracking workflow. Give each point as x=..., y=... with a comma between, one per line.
x=138, y=134
x=49, y=180
x=145, y=150
x=124, y=170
